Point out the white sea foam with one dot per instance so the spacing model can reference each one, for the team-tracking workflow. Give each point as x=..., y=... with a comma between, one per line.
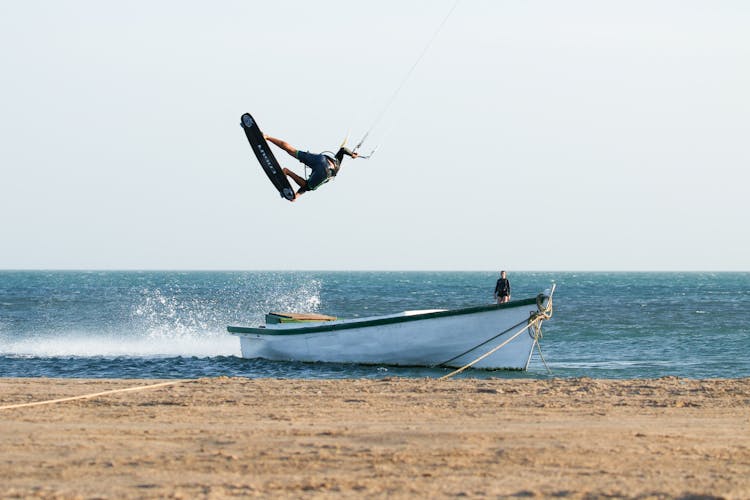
x=164, y=323
x=71, y=344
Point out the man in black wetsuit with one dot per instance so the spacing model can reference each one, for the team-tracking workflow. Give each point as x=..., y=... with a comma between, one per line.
x=502, y=289
x=323, y=167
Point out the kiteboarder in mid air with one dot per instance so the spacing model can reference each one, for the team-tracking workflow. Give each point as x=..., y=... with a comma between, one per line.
x=323, y=166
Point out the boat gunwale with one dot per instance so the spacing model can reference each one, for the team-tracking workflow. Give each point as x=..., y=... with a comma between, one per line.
x=350, y=324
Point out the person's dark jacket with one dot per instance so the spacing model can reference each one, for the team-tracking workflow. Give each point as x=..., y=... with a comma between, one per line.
x=502, y=288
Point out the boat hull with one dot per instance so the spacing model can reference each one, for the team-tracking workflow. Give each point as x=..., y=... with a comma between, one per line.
x=437, y=338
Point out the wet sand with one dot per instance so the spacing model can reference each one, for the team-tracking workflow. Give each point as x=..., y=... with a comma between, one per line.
x=225, y=437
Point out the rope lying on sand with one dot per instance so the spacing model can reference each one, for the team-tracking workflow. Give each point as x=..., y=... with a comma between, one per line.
x=97, y=394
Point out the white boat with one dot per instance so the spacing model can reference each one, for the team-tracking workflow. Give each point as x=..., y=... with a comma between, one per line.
x=435, y=337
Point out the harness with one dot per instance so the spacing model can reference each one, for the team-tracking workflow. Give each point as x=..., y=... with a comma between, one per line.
x=330, y=171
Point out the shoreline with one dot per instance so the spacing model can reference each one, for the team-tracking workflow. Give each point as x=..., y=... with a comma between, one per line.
x=220, y=437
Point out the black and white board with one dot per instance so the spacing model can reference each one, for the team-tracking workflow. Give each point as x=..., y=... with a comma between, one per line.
x=265, y=157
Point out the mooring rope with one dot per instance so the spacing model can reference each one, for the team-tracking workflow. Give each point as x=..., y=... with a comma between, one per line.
x=96, y=394
x=539, y=348
x=480, y=345
x=534, y=323
x=491, y=351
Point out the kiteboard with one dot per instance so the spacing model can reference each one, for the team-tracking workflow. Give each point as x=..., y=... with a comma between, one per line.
x=265, y=157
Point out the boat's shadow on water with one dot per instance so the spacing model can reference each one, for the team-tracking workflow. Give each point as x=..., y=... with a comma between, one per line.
x=319, y=370
x=217, y=366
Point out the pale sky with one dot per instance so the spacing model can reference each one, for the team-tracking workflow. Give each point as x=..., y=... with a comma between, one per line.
x=534, y=135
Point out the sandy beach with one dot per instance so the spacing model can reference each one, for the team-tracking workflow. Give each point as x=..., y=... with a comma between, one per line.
x=225, y=437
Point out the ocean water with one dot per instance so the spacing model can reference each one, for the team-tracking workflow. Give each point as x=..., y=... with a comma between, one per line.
x=173, y=324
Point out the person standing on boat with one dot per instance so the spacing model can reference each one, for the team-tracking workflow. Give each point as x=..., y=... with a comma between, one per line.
x=323, y=167
x=502, y=289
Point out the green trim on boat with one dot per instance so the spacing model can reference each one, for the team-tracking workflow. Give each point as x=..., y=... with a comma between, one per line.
x=378, y=321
